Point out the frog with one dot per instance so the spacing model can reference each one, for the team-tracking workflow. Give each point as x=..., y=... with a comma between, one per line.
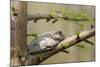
x=45, y=42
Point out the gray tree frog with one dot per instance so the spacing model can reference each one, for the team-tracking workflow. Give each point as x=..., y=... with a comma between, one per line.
x=46, y=41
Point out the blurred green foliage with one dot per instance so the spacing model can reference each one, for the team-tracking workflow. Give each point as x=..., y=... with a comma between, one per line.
x=75, y=16
x=81, y=46
x=40, y=56
x=33, y=35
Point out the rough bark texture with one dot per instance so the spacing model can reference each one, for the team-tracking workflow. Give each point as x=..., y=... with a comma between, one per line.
x=18, y=32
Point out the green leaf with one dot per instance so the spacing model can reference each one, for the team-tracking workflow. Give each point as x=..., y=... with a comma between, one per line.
x=33, y=34
x=13, y=9
x=81, y=46
x=81, y=27
x=77, y=33
x=40, y=56
x=52, y=14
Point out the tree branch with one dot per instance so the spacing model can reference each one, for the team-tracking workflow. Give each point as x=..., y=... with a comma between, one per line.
x=87, y=41
x=48, y=17
x=66, y=43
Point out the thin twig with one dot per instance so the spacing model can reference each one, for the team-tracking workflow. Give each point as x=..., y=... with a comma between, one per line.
x=87, y=41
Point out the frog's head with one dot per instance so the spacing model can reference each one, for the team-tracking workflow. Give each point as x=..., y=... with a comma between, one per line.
x=58, y=36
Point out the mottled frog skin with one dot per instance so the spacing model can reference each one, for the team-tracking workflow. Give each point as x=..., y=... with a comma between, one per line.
x=46, y=41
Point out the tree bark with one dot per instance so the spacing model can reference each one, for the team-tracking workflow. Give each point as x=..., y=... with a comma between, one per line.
x=66, y=43
x=69, y=42
x=49, y=17
x=18, y=31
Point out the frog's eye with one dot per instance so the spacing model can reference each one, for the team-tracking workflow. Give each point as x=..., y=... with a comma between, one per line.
x=59, y=32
